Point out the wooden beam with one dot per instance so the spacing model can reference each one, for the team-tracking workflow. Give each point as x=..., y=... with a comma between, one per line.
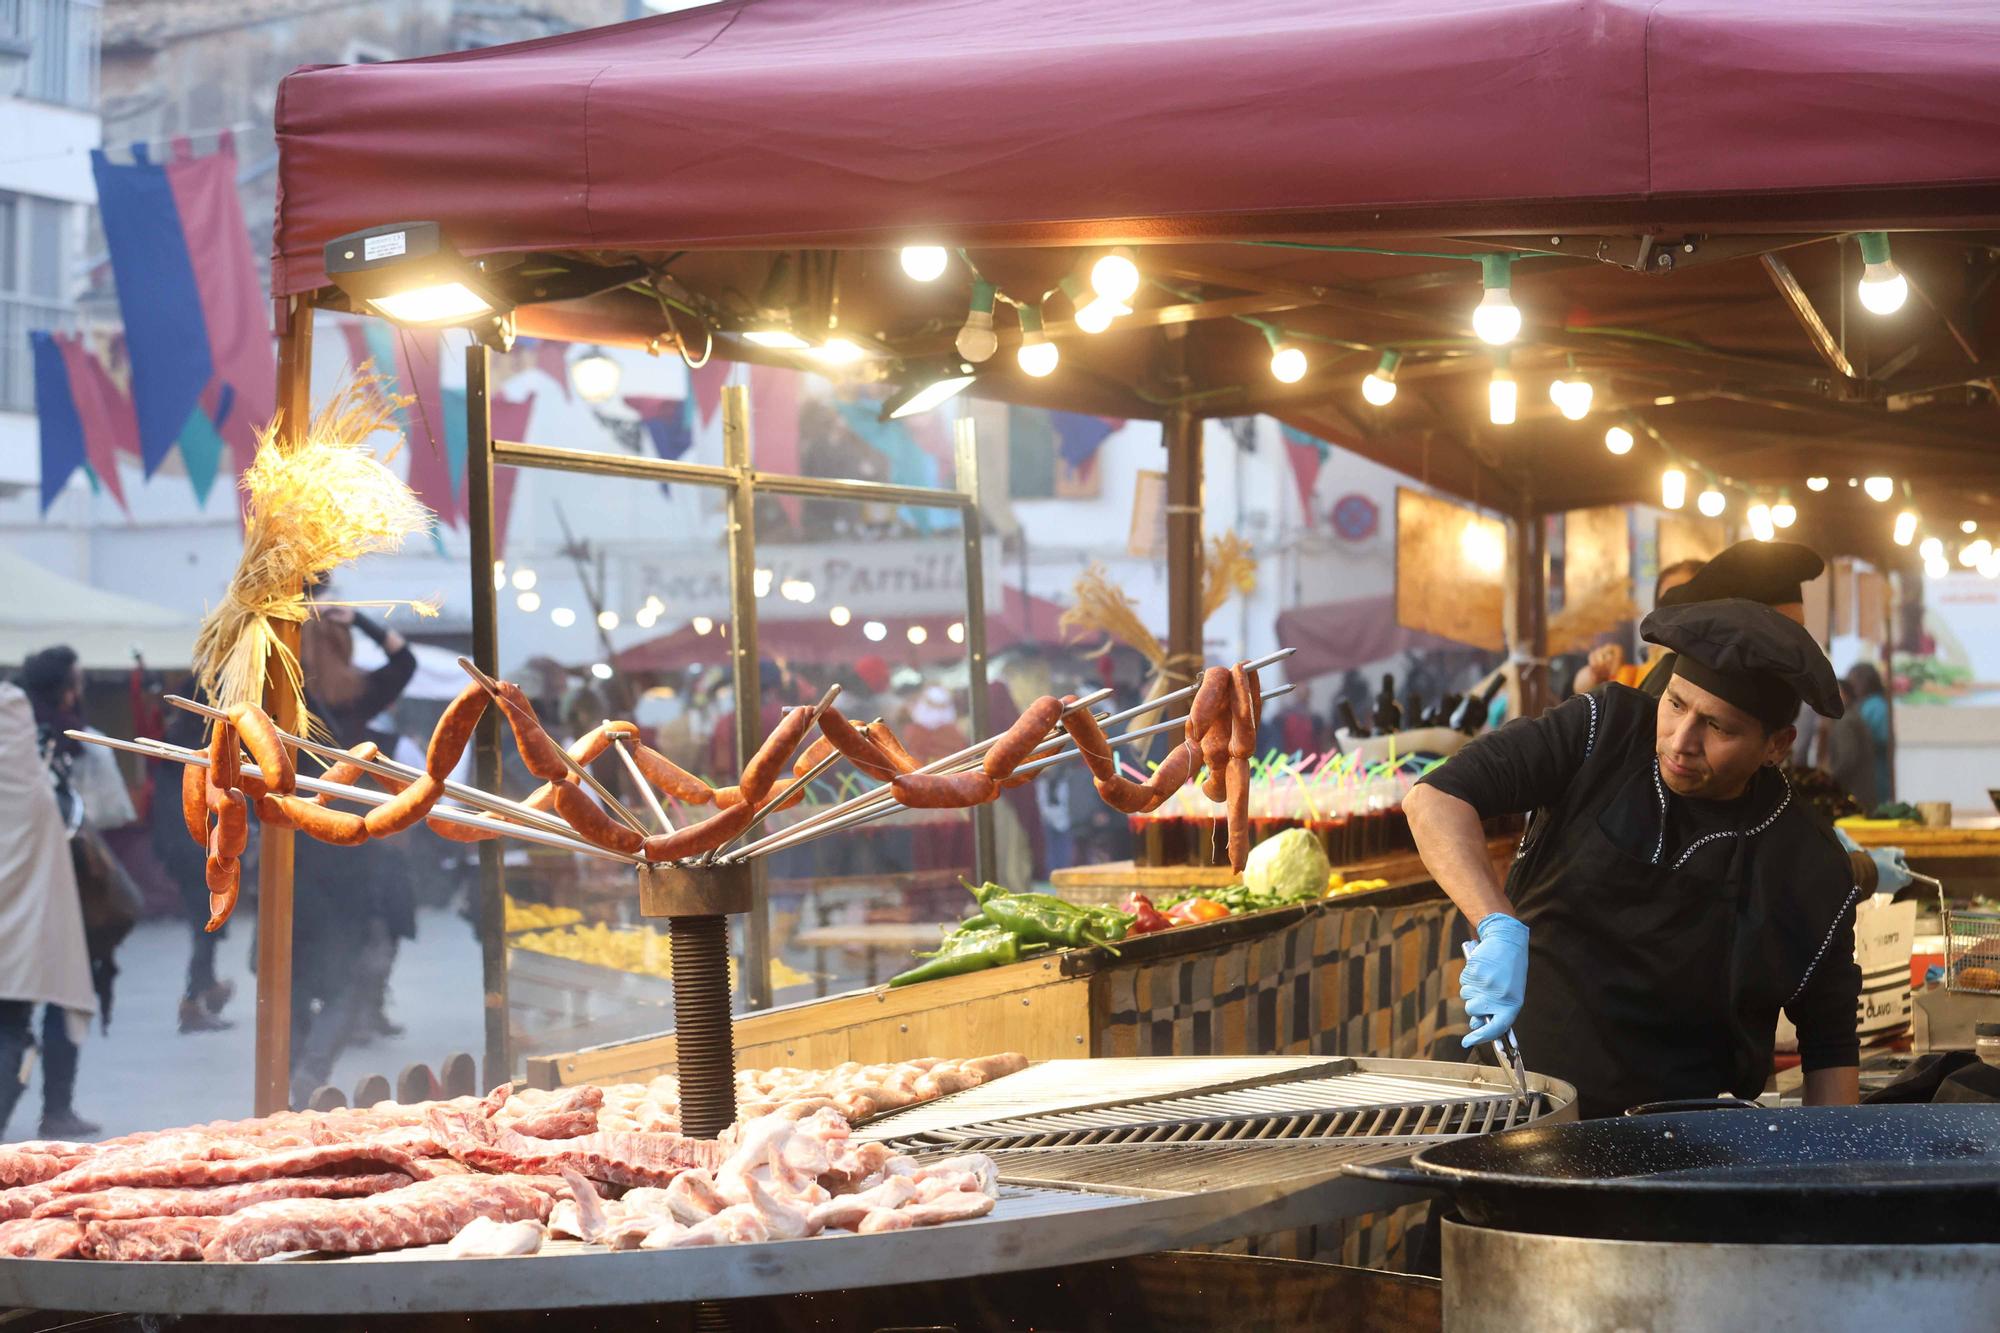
x=1186, y=312
x=1817, y=333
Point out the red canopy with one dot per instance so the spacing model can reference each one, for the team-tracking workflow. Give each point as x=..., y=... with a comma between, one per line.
x=1339, y=636
x=1022, y=619
x=786, y=123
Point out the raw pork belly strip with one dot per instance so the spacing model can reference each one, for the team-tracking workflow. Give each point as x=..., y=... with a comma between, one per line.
x=33, y=1162
x=41, y=1238
x=428, y=1212
x=149, y=1239
x=614, y=1159
x=129, y=1201
x=571, y=1116
x=23, y=1200
x=355, y=1158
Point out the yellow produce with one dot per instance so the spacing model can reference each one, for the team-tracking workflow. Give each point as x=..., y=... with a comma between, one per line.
x=639, y=949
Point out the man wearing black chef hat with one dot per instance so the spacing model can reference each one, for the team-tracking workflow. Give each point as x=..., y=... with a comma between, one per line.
x=1670, y=895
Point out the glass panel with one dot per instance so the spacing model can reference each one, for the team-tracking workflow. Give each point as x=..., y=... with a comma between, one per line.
x=47, y=276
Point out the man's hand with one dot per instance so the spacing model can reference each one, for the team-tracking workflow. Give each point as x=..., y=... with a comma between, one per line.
x=1495, y=981
x=1606, y=660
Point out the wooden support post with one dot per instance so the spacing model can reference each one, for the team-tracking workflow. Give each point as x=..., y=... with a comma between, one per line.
x=1185, y=649
x=965, y=445
x=273, y=1061
x=491, y=904
x=1527, y=618
x=744, y=667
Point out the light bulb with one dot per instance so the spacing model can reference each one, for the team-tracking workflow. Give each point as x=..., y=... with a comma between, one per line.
x=1968, y=526
x=1815, y=483
x=1501, y=397
x=760, y=582
x=1115, y=277
x=955, y=631
x=499, y=575
x=1711, y=502
x=1931, y=548
x=1759, y=517
x=925, y=263
x=1906, y=527
x=1379, y=385
x=1783, y=514
x=1673, y=488
x=1288, y=363
x=875, y=631
x=1037, y=356
x=601, y=670
x=976, y=339
x=1879, y=489
x=1618, y=440
x=1482, y=547
x=524, y=579
x=917, y=633
x=644, y=617
x=562, y=617
x=595, y=376
x=1971, y=553
x=1937, y=567
x=701, y=624
x=1496, y=319
x=607, y=620
x=1883, y=287
x=1096, y=316
x=1574, y=401
x=839, y=352
x=528, y=601
x=839, y=615
x=1989, y=566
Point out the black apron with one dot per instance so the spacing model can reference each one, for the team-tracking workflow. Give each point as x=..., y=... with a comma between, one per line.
x=1646, y=981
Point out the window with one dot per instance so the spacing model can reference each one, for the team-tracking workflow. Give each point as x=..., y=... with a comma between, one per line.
x=34, y=288
x=60, y=38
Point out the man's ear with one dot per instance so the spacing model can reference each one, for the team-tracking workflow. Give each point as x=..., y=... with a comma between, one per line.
x=1778, y=746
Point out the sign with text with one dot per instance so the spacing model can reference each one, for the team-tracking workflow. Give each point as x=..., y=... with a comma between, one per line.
x=901, y=578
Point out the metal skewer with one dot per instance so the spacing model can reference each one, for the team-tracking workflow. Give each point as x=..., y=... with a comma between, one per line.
x=389, y=768
x=604, y=793
x=639, y=780
x=825, y=702
x=449, y=813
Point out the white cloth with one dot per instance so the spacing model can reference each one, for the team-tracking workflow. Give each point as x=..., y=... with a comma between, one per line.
x=42, y=955
x=933, y=709
x=98, y=781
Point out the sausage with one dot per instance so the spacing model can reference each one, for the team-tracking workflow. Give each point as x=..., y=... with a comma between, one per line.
x=1123, y=796
x=945, y=791
x=885, y=740
x=539, y=755
x=728, y=798
x=1171, y=775
x=1242, y=715
x=346, y=771
x=260, y=738
x=594, y=822
x=786, y=796
x=231, y=834
x=194, y=802
x=1015, y=743
x=1215, y=753
x=1211, y=701
x=863, y=753
x=342, y=828
x=253, y=787
x=543, y=798
x=814, y=753
x=225, y=766
x=1238, y=783
x=1091, y=742
x=271, y=811
x=670, y=777
x=590, y=747
x=405, y=808
x=454, y=731
x=706, y=836
x=225, y=880
x=1018, y=779
x=457, y=832
x=775, y=753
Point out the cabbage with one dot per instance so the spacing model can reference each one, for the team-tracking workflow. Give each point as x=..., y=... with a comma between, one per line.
x=1291, y=866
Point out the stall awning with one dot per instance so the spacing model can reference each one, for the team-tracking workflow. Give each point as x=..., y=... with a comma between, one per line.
x=40, y=609
x=1340, y=636
x=799, y=123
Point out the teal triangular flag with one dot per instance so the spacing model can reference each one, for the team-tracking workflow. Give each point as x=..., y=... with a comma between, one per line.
x=201, y=453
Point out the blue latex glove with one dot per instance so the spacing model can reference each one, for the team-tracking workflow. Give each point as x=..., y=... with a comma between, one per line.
x=1892, y=872
x=1495, y=980
x=1846, y=842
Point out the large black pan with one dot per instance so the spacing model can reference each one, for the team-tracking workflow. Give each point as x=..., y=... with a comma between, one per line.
x=1800, y=1175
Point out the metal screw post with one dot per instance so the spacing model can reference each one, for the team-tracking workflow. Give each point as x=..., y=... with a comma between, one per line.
x=696, y=901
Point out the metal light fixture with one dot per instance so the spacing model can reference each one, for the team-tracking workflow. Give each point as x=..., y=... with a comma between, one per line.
x=1673, y=488
x=921, y=395
x=408, y=272
x=1883, y=287
x=595, y=376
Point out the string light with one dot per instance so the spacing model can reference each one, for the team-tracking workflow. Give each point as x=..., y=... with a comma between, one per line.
x=916, y=633
x=1879, y=489
x=595, y=376
x=1931, y=548
x=1115, y=277
x=1502, y=394
x=1989, y=565
x=1572, y=397
x=1378, y=386
x=839, y=615
x=645, y=617
x=1673, y=488
x=1496, y=319
x=1937, y=567
x=1906, y=527
x=601, y=670
x=1968, y=526
x=562, y=617
x=875, y=631
x=607, y=620
x=1761, y=526
x=528, y=601
x=925, y=263
x=1815, y=483
x=1974, y=552
x=976, y=339
x=499, y=575
x=1883, y=287
x=1288, y=363
x=1783, y=514
x=1038, y=356
x=701, y=624
x=524, y=579
x=955, y=631
x=1618, y=440
x=1711, y=503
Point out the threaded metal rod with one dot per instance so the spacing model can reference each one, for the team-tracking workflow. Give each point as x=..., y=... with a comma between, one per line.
x=704, y=1040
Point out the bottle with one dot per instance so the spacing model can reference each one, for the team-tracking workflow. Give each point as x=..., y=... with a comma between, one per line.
x=1986, y=1042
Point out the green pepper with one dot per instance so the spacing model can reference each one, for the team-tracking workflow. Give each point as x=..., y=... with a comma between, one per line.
x=970, y=951
x=977, y=921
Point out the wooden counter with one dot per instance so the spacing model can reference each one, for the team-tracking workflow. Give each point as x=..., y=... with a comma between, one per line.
x=1970, y=839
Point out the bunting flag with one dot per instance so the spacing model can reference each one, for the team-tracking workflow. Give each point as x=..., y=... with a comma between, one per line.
x=774, y=427
x=549, y=357
x=1306, y=455
x=705, y=385
x=85, y=418
x=909, y=463
x=666, y=423
x=510, y=422
x=1080, y=436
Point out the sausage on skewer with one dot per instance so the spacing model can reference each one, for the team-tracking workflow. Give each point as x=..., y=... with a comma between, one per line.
x=1211, y=701
x=944, y=791
x=1238, y=783
x=267, y=751
x=811, y=755
x=1015, y=743
x=594, y=822
x=225, y=765
x=539, y=755
x=1091, y=742
x=887, y=742
x=346, y=771
x=231, y=834
x=706, y=836
x=1242, y=715
x=194, y=802
x=225, y=880
x=670, y=778
x=774, y=754
x=454, y=731
x=405, y=808
x=342, y=828
x=862, y=752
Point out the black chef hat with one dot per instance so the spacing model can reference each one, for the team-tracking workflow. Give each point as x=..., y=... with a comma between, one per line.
x=1749, y=655
x=1767, y=572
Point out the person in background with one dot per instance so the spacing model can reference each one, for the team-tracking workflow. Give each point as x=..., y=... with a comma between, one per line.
x=934, y=730
x=1021, y=845
x=1607, y=661
x=1872, y=703
x=44, y=959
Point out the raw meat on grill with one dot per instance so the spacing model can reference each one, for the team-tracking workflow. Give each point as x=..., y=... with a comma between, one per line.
x=149, y=1239
x=126, y=1201
x=426, y=1212
x=41, y=1238
x=617, y=1159
x=355, y=1158
x=483, y=1238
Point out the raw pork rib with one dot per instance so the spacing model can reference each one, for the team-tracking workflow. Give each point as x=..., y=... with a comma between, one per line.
x=33, y=1162
x=427, y=1212
x=265, y=1166
x=149, y=1239
x=24, y=1199
x=572, y=1116
x=41, y=1238
x=134, y=1201
x=615, y=1159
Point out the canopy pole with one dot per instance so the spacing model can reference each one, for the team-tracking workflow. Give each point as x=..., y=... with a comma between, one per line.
x=272, y=1091
x=491, y=904
x=1527, y=613
x=744, y=667
x=1185, y=655
x=965, y=454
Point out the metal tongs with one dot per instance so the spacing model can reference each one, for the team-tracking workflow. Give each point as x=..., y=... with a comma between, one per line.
x=1507, y=1052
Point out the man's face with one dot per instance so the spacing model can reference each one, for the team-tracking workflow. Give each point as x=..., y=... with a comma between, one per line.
x=1708, y=748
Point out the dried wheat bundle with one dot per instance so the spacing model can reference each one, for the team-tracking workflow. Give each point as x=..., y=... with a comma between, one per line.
x=1231, y=567
x=1103, y=608
x=312, y=505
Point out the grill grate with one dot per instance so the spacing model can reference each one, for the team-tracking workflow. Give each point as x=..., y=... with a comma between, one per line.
x=1189, y=1168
